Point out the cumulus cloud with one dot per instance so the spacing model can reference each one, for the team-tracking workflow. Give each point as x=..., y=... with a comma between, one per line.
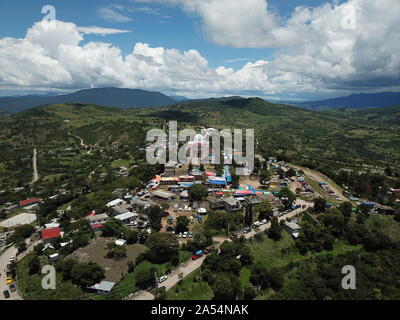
x=100, y=30
x=333, y=53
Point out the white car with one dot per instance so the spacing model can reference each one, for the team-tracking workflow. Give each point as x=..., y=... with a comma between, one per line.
x=11, y=259
x=180, y=235
x=162, y=279
x=264, y=221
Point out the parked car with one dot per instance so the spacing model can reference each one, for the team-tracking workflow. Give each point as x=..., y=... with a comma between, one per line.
x=6, y=294
x=197, y=255
x=9, y=280
x=190, y=235
x=12, y=288
x=162, y=279
x=208, y=249
x=180, y=235
x=264, y=221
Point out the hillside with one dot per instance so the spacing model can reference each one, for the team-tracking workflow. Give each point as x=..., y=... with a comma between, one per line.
x=334, y=139
x=114, y=97
x=356, y=101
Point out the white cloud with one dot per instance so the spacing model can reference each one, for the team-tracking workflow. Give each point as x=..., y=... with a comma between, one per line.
x=100, y=30
x=328, y=57
x=111, y=14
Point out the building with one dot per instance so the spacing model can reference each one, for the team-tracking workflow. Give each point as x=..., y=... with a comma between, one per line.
x=50, y=235
x=127, y=217
x=122, y=208
x=216, y=203
x=139, y=204
x=292, y=228
x=231, y=204
x=114, y=203
x=103, y=287
x=98, y=219
x=165, y=195
x=216, y=182
x=96, y=227
x=120, y=193
x=28, y=202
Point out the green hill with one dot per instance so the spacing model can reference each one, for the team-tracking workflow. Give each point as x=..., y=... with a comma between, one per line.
x=333, y=139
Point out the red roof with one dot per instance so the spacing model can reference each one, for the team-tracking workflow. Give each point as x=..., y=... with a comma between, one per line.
x=96, y=226
x=28, y=202
x=91, y=213
x=51, y=233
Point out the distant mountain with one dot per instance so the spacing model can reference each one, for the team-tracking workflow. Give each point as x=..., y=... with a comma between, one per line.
x=113, y=97
x=356, y=101
x=179, y=98
x=207, y=100
x=4, y=112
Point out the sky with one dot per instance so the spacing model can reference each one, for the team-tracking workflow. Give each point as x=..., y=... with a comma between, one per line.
x=275, y=49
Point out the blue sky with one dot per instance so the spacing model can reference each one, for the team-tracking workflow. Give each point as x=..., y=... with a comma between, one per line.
x=185, y=26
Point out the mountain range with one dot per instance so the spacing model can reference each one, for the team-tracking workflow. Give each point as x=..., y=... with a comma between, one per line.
x=137, y=98
x=113, y=97
x=355, y=101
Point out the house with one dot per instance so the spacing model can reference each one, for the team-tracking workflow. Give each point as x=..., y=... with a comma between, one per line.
x=216, y=203
x=139, y=204
x=202, y=211
x=50, y=235
x=292, y=228
x=231, y=204
x=52, y=225
x=127, y=217
x=114, y=203
x=184, y=195
x=165, y=195
x=97, y=219
x=122, y=208
x=169, y=180
x=103, y=287
x=96, y=227
x=28, y=202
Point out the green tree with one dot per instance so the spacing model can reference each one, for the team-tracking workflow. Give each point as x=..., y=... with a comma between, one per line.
x=86, y=274
x=197, y=192
x=275, y=232
x=319, y=205
x=112, y=228
x=163, y=247
x=182, y=224
x=146, y=278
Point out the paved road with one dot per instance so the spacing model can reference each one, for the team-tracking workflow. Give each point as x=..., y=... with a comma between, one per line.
x=34, y=164
x=4, y=260
x=190, y=266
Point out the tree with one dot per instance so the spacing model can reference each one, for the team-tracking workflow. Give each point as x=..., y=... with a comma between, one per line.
x=86, y=274
x=264, y=210
x=155, y=214
x=222, y=288
x=287, y=197
x=346, y=208
x=21, y=247
x=112, y=228
x=182, y=224
x=146, y=278
x=275, y=232
x=163, y=247
x=248, y=218
x=197, y=192
x=319, y=205
x=334, y=221
x=34, y=264
x=249, y=293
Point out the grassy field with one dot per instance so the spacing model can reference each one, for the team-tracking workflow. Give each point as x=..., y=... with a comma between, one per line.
x=96, y=252
x=30, y=286
x=191, y=288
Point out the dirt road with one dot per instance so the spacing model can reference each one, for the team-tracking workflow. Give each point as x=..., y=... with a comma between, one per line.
x=34, y=165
